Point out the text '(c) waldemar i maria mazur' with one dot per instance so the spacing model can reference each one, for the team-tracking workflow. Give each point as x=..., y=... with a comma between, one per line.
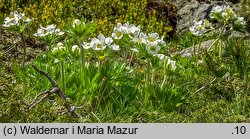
x=78, y=130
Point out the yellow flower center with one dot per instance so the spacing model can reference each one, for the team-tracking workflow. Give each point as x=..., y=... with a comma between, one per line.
x=152, y=48
x=99, y=46
x=118, y=34
x=151, y=39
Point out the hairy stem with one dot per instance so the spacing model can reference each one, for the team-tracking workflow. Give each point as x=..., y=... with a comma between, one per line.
x=24, y=48
x=63, y=76
x=147, y=84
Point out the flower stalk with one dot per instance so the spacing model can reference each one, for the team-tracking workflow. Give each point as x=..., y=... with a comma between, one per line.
x=147, y=84
x=63, y=76
x=24, y=48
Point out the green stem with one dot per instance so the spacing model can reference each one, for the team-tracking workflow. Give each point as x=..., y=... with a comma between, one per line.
x=199, y=47
x=82, y=61
x=165, y=74
x=24, y=49
x=220, y=46
x=194, y=50
x=222, y=30
x=63, y=76
x=130, y=61
x=153, y=77
x=126, y=55
x=100, y=66
x=147, y=85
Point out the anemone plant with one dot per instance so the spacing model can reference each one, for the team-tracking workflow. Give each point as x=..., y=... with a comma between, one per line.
x=50, y=34
x=80, y=31
x=18, y=23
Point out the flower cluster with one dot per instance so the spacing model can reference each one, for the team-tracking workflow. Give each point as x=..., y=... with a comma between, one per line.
x=223, y=12
x=16, y=19
x=224, y=15
x=199, y=28
x=49, y=30
x=75, y=48
x=121, y=30
x=100, y=43
x=76, y=22
x=168, y=59
x=59, y=47
x=227, y=14
x=152, y=41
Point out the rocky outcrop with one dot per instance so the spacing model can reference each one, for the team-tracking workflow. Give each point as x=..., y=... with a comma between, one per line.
x=194, y=10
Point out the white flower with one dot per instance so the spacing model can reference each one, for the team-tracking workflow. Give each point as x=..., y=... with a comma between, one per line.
x=117, y=33
x=59, y=44
x=98, y=44
x=141, y=38
x=115, y=47
x=49, y=30
x=17, y=16
x=198, y=29
x=101, y=37
x=168, y=59
x=216, y=10
x=133, y=30
x=55, y=49
x=75, y=48
x=162, y=42
x=162, y=56
x=172, y=64
x=108, y=40
x=76, y=22
x=223, y=11
x=152, y=37
x=86, y=45
x=125, y=28
x=241, y=21
x=40, y=32
x=152, y=48
x=59, y=32
x=15, y=19
x=9, y=22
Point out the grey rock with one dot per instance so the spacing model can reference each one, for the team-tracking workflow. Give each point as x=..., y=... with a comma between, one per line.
x=180, y=3
x=189, y=52
x=237, y=34
x=194, y=10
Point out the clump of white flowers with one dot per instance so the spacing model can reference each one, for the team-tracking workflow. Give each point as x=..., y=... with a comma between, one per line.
x=169, y=61
x=16, y=19
x=59, y=48
x=77, y=22
x=200, y=27
x=152, y=41
x=49, y=30
x=226, y=15
x=130, y=33
x=224, y=12
x=100, y=43
x=75, y=48
x=126, y=29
